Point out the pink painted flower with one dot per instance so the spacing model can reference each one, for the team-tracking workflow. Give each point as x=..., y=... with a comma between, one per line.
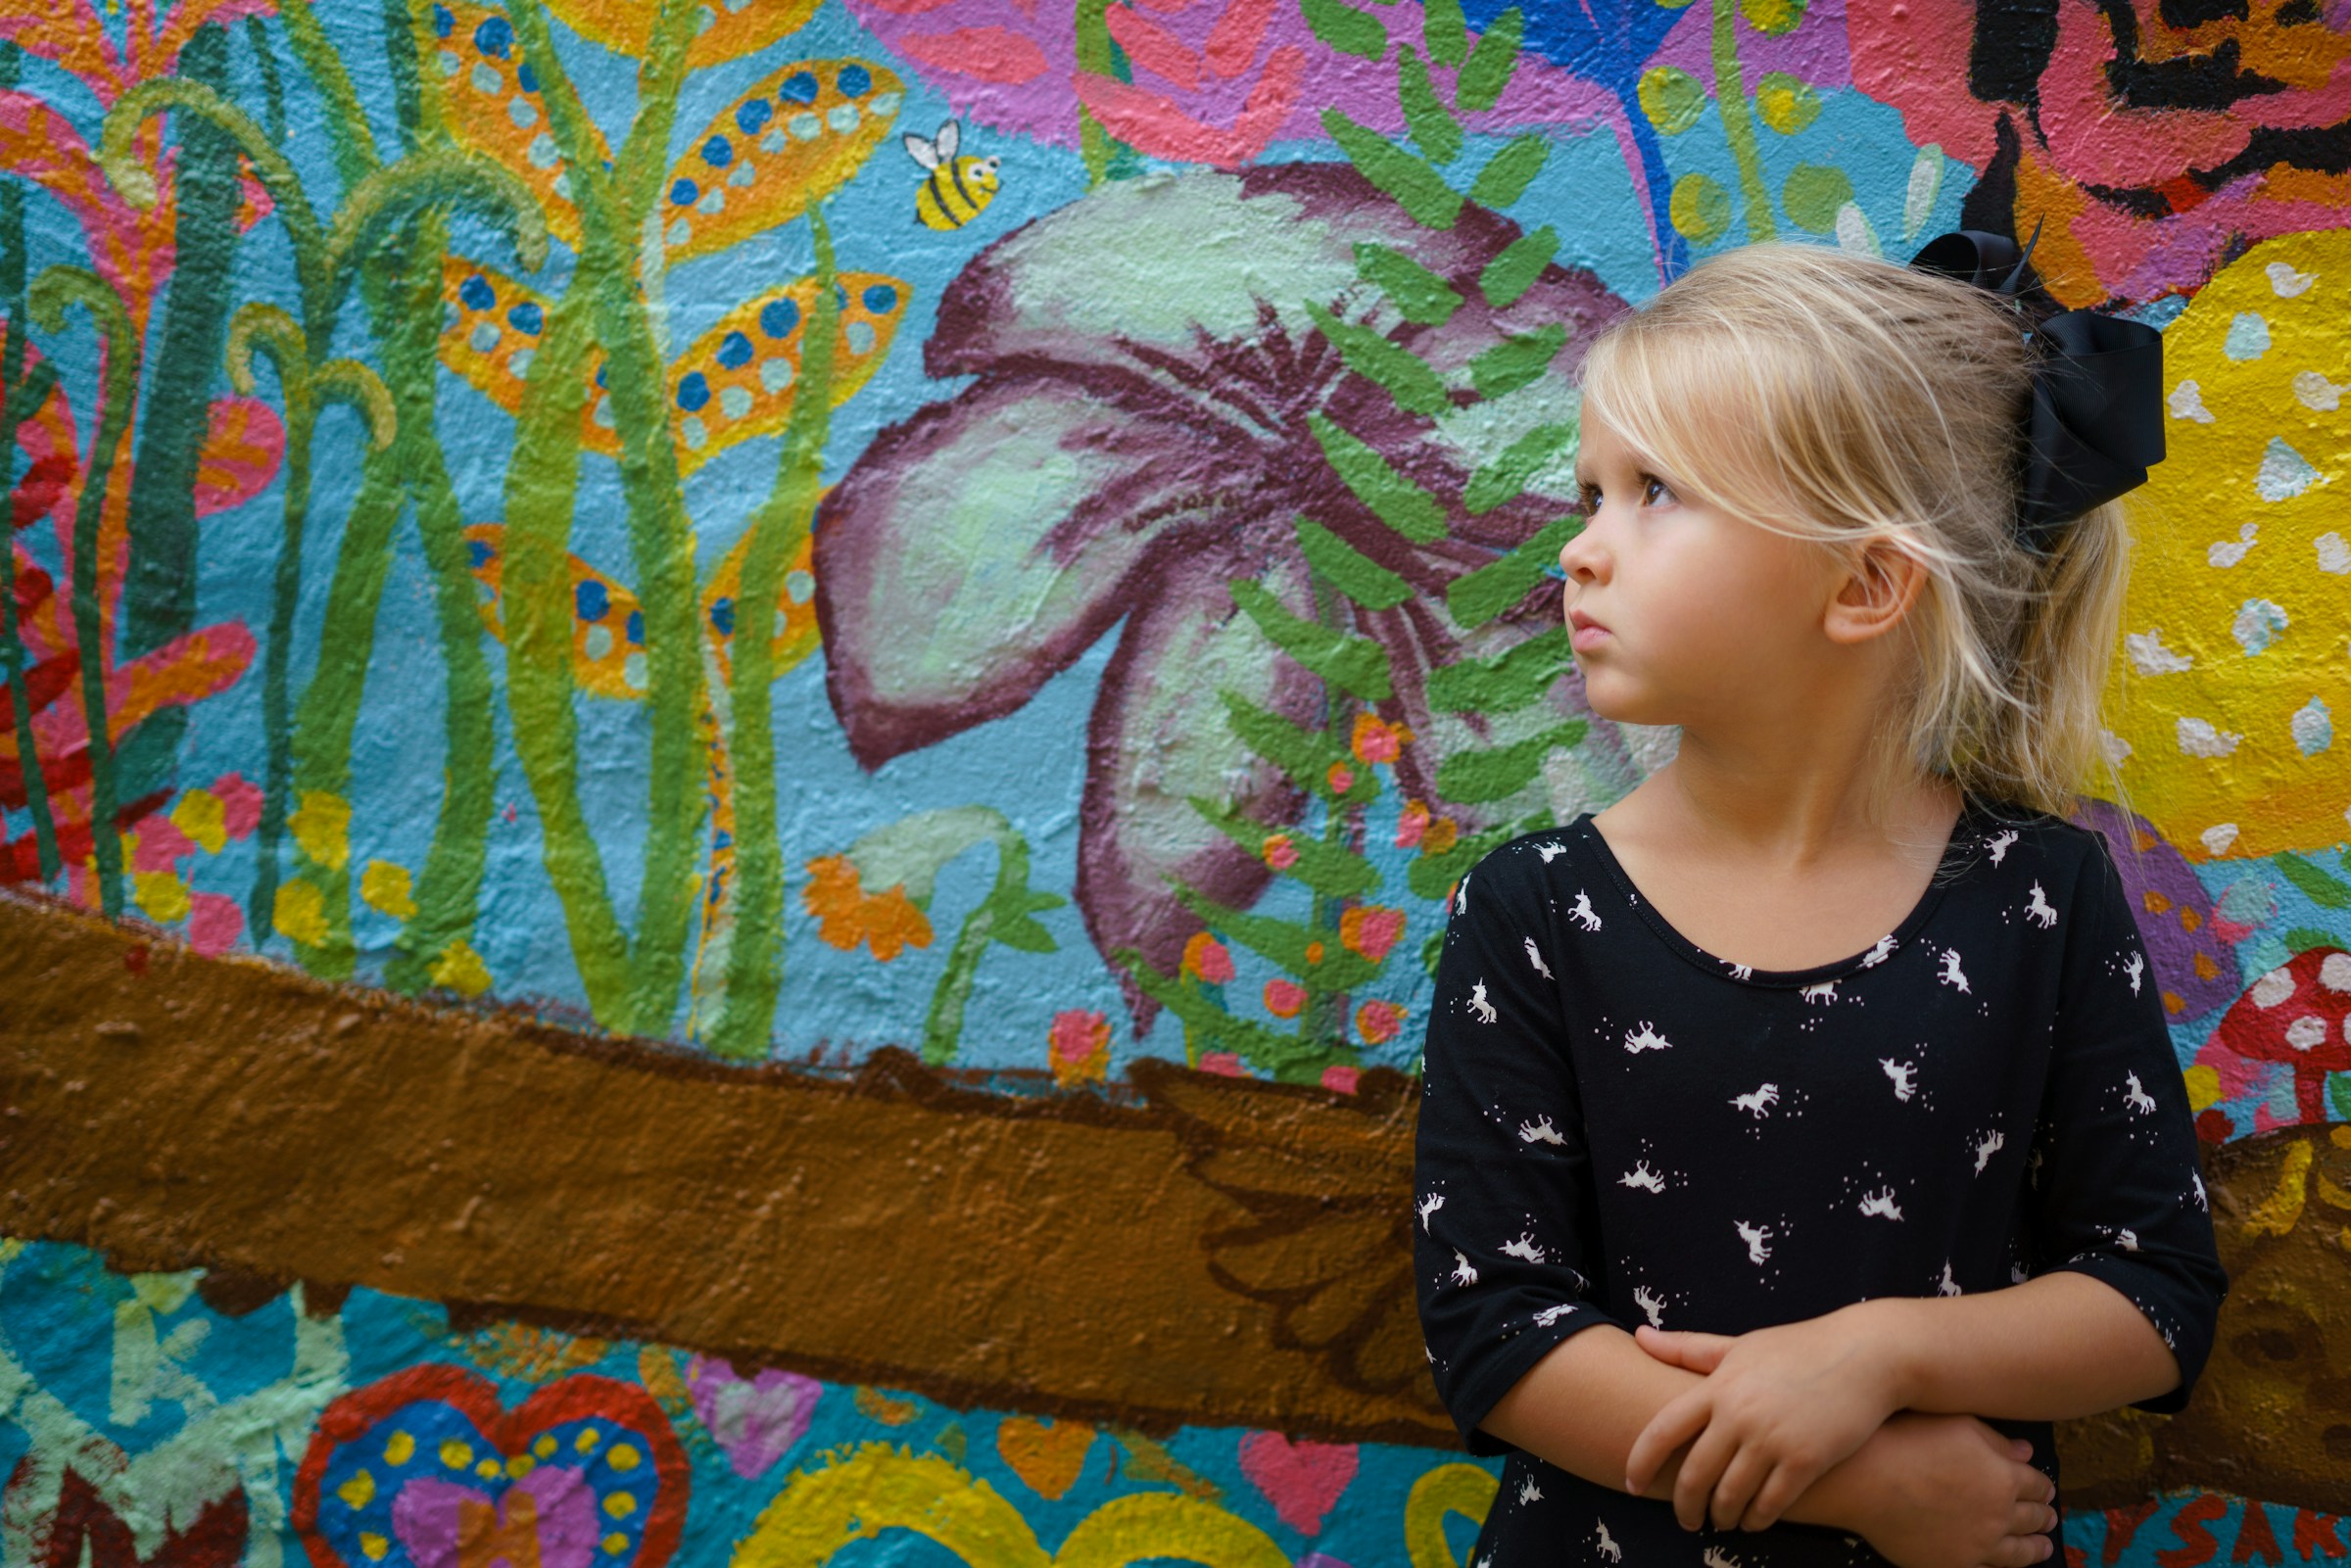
x=1375, y=740
x=1411, y=824
x=1080, y=1047
x=1284, y=998
x=1341, y=777
x=1341, y=1078
x=1208, y=959
x=1224, y=1064
x=1280, y=852
x=1372, y=930
x=1377, y=1022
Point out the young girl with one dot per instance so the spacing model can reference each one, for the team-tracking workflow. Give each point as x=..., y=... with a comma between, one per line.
x=1801, y=1136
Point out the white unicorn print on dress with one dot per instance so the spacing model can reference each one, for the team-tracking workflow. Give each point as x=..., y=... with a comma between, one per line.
x=1540, y=1130
x=2199, y=1181
x=1552, y=1314
x=1524, y=1248
x=1643, y=1177
x=1755, y=1236
x=1949, y=1286
x=1461, y=901
x=1607, y=1547
x=1528, y=1492
x=1463, y=1273
x=1825, y=991
x=1480, y=1006
x=1644, y=1038
x=1535, y=957
x=1716, y=1557
x=1986, y=1148
x=2137, y=1098
x=1550, y=851
x=1651, y=1308
x=1903, y=1074
x=1951, y=974
x=1758, y=1102
x=1878, y=954
x=2037, y=910
x=1740, y=972
x=1429, y=1205
x=1582, y=912
x=1998, y=848
x=1881, y=1204
x=2134, y=965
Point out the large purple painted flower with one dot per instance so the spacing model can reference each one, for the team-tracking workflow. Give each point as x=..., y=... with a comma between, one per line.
x=1137, y=439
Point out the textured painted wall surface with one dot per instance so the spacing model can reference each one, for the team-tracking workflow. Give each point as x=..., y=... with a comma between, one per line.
x=1132, y=440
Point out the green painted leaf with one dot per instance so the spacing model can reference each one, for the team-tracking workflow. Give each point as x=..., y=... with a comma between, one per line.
x=1508, y=172
x=1305, y=755
x=1425, y=299
x=1434, y=130
x=1025, y=936
x=1470, y=776
x=1699, y=209
x=1333, y=872
x=2302, y=939
x=1491, y=63
x=1430, y=875
x=1345, y=28
x=1393, y=499
x=1476, y=597
x=1773, y=16
x=1787, y=104
x=1408, y=178
x=1517, y=265
x=1445, y=31
x=1671, y=98
x=1217, y=1029
x=1504, y=478
x=1515, y=680
x=1517, y=361
x=2321, y=888
x=1349, y=570
x=1287, y=943
x=1354, y=664
x=1812, y=195
x=1369, y=354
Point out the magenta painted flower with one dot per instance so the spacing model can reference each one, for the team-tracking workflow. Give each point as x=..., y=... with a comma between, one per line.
x=754, y=1419
x=1138, y=435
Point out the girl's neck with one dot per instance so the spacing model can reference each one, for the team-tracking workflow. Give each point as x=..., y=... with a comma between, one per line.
x=1794, y=805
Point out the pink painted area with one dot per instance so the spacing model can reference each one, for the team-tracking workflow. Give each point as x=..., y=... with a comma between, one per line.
x=214, y=923
x=1304, y=1481
x=755, y=1419
x=1341, y=1078
x=1215, y=80
x=1815, y=52
x=158, y=844
x=241, y=802
x=431, y=1517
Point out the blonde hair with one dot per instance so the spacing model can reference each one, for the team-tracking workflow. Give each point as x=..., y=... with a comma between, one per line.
x=1841, y=400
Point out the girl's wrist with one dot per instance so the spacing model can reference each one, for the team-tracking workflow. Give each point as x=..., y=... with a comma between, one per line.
x=1892, y=1348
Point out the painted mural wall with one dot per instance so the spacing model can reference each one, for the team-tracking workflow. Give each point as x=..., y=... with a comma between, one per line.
x=838, y=655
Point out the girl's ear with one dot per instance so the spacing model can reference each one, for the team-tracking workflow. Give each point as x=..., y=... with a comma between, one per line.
x=1884, y=582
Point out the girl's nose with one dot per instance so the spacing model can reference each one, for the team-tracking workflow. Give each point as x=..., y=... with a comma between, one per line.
x=1584, y=558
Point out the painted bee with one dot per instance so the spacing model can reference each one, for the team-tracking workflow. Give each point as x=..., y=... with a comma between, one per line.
x=958, y=189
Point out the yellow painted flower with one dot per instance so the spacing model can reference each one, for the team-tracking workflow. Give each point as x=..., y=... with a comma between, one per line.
x=204, y=817
x=162, y=894
x=2235, y=671
x=461, y=968
x=321, y=827
x=722, y=31
x=385, y=888
x=300, y=913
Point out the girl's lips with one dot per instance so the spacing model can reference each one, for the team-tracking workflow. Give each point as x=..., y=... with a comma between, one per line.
x=1587, y=637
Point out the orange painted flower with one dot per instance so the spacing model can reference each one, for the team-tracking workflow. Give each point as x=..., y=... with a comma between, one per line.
x=848, y=915
x=1208, y=959
x=1372, y=930
x=1377, y=739
x=1079, y=1047
x=1440, y=836
x=1284, y=999
x=1377, y=1022
x=1280, y=852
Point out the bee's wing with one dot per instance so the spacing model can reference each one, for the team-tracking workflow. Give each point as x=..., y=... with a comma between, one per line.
x=919, y=150
x=950, y=137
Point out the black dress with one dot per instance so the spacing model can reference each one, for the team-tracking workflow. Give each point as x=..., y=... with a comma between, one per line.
x=1618, y=1127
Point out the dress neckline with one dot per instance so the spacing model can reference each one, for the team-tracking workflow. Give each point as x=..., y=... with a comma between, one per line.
x=1721, y=968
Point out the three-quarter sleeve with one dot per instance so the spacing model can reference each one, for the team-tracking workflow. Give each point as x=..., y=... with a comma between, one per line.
x=2114, y=1186
x=1503, y=1231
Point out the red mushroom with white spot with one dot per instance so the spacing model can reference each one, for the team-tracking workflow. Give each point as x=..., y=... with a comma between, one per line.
x=2298, y=1014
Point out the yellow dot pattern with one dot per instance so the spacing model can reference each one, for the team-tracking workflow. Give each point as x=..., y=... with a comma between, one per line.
x=457, y=1454
x=399, y=1449
x=620, y=1506
x=357, y=1492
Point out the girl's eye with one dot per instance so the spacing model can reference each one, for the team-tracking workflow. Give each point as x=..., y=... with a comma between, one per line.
x=1655, y=491
x=1591, y=497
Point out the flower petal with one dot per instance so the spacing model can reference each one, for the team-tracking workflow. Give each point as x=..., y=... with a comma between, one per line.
x=978, y=548
x=1160, y=737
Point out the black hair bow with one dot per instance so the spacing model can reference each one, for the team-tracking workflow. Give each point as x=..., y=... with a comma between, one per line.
x=2094, y=426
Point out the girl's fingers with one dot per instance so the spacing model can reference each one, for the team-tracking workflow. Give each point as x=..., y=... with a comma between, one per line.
x=2021, y=1551
x=1701, y=1472
x=2031, y=1518
x=1782, y=1486
x=1741, y=1479
x=1697, y=1353
x=1680, y=1419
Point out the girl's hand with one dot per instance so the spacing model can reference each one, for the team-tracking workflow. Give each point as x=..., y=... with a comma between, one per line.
x=1949, y=1491
x=1779, y=1407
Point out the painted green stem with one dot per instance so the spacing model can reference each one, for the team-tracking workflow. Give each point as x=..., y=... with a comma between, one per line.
x=943, y=1028
x=1738, y=127
x=51, y=292
x=660, y=535
x=755, y=963
x=20, y=396
x=536, y=601
x=1095, y=145
x=274, y=333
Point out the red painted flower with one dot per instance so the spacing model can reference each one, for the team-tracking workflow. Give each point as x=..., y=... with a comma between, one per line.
x=1377, y=1022
x=1284, y=998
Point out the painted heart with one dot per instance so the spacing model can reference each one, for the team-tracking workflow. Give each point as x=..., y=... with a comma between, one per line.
x=755, y=1419
x=1047, y=1454
x=1302, y=1480
x=427, y=1469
